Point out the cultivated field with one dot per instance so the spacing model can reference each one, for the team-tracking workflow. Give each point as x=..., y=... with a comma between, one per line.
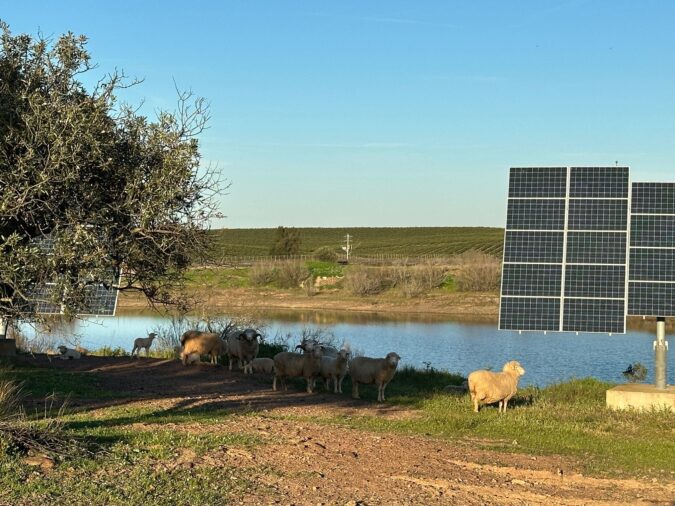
x=411, y=241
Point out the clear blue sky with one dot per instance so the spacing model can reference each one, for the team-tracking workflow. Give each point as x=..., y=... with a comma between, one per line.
x=393, y=113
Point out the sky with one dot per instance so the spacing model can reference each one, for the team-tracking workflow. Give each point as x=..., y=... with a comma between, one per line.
x=359, y=113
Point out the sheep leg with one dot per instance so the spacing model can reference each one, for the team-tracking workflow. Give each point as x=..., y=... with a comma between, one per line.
x=339, y=387
x=335, y=384
x=229, y=359
x=134, y=350
x=355, y=390
x=274, y=383
x=474, y=399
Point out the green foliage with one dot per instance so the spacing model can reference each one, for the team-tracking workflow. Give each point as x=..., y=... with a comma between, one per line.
x=111, y=190
x=286, y=242
x=219, y=277
x=109, y=351
x=635, y=373
x=322, y=268
x=411, y=241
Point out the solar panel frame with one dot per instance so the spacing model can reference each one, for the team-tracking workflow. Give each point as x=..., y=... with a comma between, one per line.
x=101, y=299
x=592, y=259
x=651, y=282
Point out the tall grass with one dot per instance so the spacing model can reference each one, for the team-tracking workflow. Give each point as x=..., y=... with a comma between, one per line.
x=477, y=272
x=363, y=281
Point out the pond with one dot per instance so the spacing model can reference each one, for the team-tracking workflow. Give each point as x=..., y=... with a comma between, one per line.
x=451, y=345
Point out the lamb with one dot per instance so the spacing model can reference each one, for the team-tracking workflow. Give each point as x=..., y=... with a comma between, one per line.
x=487, y=387
x=367, y=370
x=68, y=353
x=83, y=351
x=243, y=346
x=201, y=343
x=293, y=365
x=262, y=365
x=143, y=342
x=335, y=369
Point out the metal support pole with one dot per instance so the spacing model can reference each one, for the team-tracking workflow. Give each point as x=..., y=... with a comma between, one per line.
x=660, y=354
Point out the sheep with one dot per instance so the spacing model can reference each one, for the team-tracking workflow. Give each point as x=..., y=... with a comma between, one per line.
x=68, y=353
x=143, y=342
x=328, y=351
x=201, y=343
x=292, y=365
x=262, y=365
x=244, y=347
x=367, y=370
x=487, y=387
x=335, y=369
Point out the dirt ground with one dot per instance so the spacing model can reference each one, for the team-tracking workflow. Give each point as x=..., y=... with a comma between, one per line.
x=308, y=463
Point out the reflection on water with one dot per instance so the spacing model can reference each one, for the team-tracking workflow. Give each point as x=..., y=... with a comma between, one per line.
x=457, y=346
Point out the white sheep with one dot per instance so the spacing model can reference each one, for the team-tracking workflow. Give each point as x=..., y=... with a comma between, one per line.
x=328, y=351
x=143, y=342
x=293, y=365
x=243, y=346
x=68, y=353
x=335, y=368
x=262, y=365
x=487, y=387
x=83, y=351
x=367, y=371
x=201, y=343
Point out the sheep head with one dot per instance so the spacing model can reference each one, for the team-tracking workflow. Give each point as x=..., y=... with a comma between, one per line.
x=249, y=335
x=152, y=335
x=62, y=349
x=514, y=367
x=392, y=359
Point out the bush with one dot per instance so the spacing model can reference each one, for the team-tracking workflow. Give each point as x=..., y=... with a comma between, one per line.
x=477, y=272
x=291, y=273
x=415, y=280
x=326, y=254
x=263, y=273
x=364, y=281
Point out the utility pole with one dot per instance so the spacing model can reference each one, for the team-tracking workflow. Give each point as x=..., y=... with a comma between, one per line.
x=348, y=247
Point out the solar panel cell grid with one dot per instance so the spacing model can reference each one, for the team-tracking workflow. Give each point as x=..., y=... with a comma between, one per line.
x=525, y=214
x=653, y=198
x=652, y=230
x=596, y=247
x=529, y=314
x=542, y=247
x=531, y=280
x=534, y=182
x=576, y=262
x=608, y=182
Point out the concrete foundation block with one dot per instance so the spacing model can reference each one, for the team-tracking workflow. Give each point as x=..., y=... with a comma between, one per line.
x=641, y=397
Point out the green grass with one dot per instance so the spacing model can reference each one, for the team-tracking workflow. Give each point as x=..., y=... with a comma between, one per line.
x=412, y=241
x=329, y=269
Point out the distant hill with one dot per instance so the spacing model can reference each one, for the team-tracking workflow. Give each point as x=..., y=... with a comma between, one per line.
x=411, y=241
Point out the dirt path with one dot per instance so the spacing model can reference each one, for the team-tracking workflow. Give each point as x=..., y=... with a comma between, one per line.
x=308, y=463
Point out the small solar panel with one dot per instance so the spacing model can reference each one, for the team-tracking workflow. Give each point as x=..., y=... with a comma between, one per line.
x=100, y=299
x=651, y=279
x=565, y=249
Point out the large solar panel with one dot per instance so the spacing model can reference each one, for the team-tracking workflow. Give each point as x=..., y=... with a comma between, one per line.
x=100, y=299
x=651, y=278
x=565, y=249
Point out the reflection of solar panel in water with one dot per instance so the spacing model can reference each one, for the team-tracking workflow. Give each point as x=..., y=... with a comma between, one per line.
x=99, y=299
x=565, y=250
x=651, y=279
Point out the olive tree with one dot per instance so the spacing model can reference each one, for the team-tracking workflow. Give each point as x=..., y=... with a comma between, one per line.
x=121, y=198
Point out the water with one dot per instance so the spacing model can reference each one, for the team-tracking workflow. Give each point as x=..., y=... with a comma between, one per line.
x=450, y=345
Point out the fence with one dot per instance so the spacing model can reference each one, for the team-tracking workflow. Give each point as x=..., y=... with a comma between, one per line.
x=375, y=259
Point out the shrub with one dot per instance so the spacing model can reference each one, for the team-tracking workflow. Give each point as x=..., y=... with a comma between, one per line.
x=326, y=254
x=415, y=280
x=263, y=273
x=364, y=281
x=291, y=273
x=286, y=242
x=478, y=272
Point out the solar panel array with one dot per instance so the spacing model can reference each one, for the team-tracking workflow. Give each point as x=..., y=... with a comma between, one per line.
x=565, y=249
x=651, y=280
x=99, y=299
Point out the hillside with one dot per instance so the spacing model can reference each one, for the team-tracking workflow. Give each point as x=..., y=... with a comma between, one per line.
x=413, y=241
